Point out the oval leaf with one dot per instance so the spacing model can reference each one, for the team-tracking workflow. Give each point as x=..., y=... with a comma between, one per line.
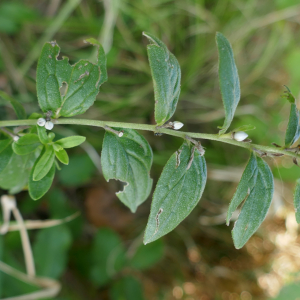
x=37, y=189
x=82, y=82
x=256, y=205
x=71, y=141
x=297, y=200
x=44, y=164
x=62, y=156
x=246, y=184
x=229, y=80
x=6, y=153
x=42, y=133
x=178, y=191
x=129, y=159
x=166, y=77
x=26, y=144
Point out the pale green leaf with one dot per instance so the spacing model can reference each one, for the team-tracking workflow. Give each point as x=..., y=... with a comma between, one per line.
x=229, y=80
x=246, y=184
x=37, y=189
x=177, y=192
x=62, y=156
x=128, y=159
x=166, y=75
x=6, y=153
x=17, y=106
x=256, y=205
x=44, y=164
x=26, y=144
x=297, y=200
x=82, y=80
x=42, y=134
x=71, y=141
x=244, y=128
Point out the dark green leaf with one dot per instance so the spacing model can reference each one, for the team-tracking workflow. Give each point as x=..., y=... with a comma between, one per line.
x=37, y=189
x=126, y=288
x=229, y=80
x=108, y=256
x=177, y=192
x=71, y=141
x=82, y=80
x=50, y=251
x=246, y=184
x=148, y=255
x=26, y=144
x=297, y=200
x=17, y=106
x=166, y=77
x=6, y=153
x=44, y=164
x=256, y=205
x=62, y=156
x=129, y=159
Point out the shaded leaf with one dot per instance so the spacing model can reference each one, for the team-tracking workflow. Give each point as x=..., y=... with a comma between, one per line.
x=246, y=184
x=229, y=80
x=166, y=77
x=44, y=164
x=62, y=156
x=256, y=205
x=126, y=288
x=297, y=200
x=17, y=106
x=177, y=192
x=26, y=144
x=82, y=80
x=129, y=159
x=6, y=153
x=71, y=141
x=37, y=189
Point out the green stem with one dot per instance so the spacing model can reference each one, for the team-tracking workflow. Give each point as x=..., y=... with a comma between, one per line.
x=181, y=134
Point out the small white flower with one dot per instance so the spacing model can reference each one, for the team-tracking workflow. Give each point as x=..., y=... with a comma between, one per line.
x=240, y=136
x=16, y=138
x=177, y=125
x=41, y=122
x=49, y=125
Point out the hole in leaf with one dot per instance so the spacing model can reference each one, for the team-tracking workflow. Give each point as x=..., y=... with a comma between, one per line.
x=63, y=89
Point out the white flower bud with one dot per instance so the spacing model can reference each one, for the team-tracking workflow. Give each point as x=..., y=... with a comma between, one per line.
x=16, y=138
x=41, y=122
x=120, y=134
x=49, y=125
x=177, y=125
x=239, y=136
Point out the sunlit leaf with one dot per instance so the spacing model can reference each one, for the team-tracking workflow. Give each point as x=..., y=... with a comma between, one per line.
x=6, y=153
x=26, y=144
x=177, y=192
x=244, y=128
x=71, y=141
x=44, y=164
x=62, y=156
x=166, y=77
x=229, y=80
x=256, y=205
x=128, y=159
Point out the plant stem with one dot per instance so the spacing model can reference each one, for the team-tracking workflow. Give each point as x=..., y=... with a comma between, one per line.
x=153, y=128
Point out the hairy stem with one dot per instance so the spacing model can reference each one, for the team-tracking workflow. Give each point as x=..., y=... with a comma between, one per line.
x=181, y=134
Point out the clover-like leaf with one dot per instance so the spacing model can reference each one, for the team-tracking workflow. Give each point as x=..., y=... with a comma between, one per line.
x=26, y=144
x=166, y=77
x=229, y=80
x=71, y=141
x=6, y=153
x=82, y=82
x=297, y=200
x=177, y=192
x=44, y=164
x=292, y=133
x=128, y=159
x=256, y=205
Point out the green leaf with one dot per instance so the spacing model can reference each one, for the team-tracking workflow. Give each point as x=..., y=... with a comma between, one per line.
x=42, y=134
x=293, y=129
x=37, y=189
x=71, y=141
x=108, y=256
x=44, y=164
x=17, y=106
x=82, y=79
x=256, y=205
x=166, y=77
x=26, y=144
x=50, y=251
x=297, y=200
x=229, y=80
x=126, y=288
x=244, y=128
x=6, y=153
x=177, y=192
x=129, y=159
x=246, y=184
x=62, y=156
